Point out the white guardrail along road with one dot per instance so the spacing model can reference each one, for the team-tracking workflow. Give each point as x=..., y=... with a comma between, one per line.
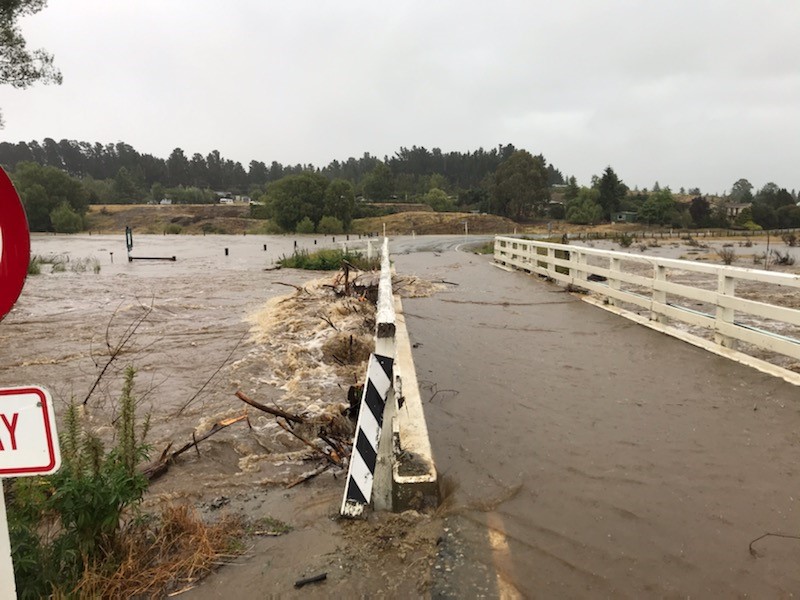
x=734, y=308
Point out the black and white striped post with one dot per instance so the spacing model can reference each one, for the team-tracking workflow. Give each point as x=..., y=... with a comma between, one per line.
x=364, y=458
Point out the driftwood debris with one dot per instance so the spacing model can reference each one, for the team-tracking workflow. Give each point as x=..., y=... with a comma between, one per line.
x=299, y=288
x=332, y=458
x=328, y=321
x=277, y=412
x=309, y=476
x=301, y=582
x=158, y=467
x=337, y=452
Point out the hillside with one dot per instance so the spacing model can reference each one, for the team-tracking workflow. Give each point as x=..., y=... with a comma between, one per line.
x=190, y=218
x=424, y=223
x=233, y=219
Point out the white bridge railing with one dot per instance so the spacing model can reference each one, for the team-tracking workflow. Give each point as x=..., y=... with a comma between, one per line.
x=728, y=304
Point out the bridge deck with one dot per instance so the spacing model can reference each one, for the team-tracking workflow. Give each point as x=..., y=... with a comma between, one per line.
x=593, y=457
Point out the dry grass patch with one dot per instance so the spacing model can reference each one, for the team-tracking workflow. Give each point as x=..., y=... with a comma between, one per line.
x=170, y=552
x=427, y=223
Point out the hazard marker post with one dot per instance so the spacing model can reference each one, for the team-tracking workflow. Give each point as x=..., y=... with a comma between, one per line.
x=364, y=457
x=28, y=438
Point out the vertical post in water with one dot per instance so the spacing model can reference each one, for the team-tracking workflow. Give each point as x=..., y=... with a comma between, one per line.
x=129, y=241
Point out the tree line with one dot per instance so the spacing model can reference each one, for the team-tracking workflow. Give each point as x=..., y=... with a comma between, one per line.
x=58, y=181
x=118, y=173
x=502, y=180
x=608, y=198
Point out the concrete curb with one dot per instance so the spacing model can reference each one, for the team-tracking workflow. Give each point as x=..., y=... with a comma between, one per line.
x=405, y=477
x=415, y=483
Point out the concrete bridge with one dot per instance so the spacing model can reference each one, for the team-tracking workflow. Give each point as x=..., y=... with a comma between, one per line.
x=584, y=455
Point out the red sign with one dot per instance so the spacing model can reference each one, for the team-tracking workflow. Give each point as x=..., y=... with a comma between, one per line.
x=28, y=438
x=15, y=252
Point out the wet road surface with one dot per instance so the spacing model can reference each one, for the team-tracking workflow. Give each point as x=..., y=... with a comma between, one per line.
x=592, y=457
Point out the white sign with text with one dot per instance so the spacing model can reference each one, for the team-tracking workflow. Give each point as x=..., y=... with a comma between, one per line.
x=28, y=438
x=28, y=446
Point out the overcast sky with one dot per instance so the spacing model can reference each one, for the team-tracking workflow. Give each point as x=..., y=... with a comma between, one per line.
x=686, y=92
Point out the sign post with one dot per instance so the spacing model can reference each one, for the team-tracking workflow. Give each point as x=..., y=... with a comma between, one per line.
x=28, y=446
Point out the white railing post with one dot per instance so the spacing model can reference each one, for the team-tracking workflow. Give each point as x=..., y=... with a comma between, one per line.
x=726, y=286
x=615, y=266
x=581, y=259
x=660, y=296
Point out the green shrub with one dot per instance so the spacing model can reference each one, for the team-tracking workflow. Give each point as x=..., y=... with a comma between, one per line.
x=211, y=228
x=35, y=265
x=259, y=211
x=267, y=227
x=328, y=260
x=65, y=523
x=306, y=225
x=172, y=229
x=66, y=220
x=330, y=225
x=485, y=248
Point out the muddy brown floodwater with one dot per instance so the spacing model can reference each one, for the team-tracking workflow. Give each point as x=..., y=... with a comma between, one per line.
x=210, y=311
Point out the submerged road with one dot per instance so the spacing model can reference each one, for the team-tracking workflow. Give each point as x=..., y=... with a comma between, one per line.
x=586, y=456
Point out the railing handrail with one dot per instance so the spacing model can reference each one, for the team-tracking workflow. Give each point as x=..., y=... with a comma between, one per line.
x=568, y=264
x=790, y=279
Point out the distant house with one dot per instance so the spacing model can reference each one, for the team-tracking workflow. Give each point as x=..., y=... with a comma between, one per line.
x=623, y=216
x=734, y=208
x=226, y=200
